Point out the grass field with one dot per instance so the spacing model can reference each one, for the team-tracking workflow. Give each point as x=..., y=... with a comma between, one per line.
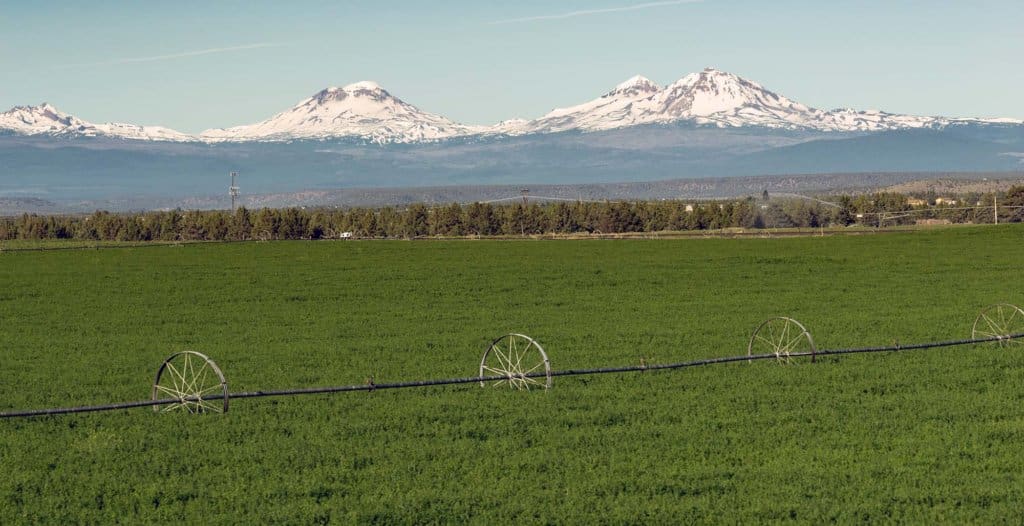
x=915, y=436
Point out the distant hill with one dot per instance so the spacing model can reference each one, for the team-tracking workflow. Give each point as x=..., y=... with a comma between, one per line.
x=89, y=169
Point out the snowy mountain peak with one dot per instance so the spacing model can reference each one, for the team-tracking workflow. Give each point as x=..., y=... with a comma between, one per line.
x=611, y=110
x=635, y=85
x=365, y=89
x=712, y=93
x=32, y=120
x=362, y=85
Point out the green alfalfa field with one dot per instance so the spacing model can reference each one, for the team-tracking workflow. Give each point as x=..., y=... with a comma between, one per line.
x=918, y=436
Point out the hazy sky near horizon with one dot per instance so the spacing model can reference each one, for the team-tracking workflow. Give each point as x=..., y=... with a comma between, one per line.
x=193, y=65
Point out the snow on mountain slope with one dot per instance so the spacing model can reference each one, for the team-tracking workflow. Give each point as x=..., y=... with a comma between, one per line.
x=45, y=119
x=614, y=109
x=36, y=120
x=360, y=110
x=727, y=100
x=134, y=131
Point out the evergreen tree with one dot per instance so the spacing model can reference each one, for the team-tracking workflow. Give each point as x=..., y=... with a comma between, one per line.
x=415, y=222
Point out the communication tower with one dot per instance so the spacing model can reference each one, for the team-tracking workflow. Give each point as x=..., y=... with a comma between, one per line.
x=233, y=190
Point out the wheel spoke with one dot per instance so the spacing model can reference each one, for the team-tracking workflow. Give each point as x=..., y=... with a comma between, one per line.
x=200, y=376
x=793, y=343
x=768, y=343
x=176, y=377
x=211, y=389
x=1014, y=325
x=206, y=406
x=1013, y=316
x=535, y=367
x=519, y=360
x=513, y=353
x=996, y=329
x=176, y=406
x=496, y=371
x=174, y=394
x=502, y=361
x=190, y=376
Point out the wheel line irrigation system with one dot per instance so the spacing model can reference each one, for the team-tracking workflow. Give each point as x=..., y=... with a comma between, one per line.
x=191, y=382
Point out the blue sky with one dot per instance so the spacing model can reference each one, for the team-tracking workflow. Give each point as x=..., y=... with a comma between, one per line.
x=197, y=65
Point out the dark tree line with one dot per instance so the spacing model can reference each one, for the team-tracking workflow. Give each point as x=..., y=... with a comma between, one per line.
x=483, y=219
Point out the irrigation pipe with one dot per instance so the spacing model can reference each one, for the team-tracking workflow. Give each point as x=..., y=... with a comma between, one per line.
x=467, y=380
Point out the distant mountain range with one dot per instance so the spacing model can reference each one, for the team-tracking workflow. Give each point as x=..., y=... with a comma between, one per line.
x=46, y=120
x=706, y=125
x=365, y=111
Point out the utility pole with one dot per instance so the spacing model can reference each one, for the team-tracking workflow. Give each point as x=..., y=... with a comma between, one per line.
x=233, y=190
x=522, y=225
x=995, y=210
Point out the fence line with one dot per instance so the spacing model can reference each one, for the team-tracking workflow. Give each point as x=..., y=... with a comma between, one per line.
x=474, y=379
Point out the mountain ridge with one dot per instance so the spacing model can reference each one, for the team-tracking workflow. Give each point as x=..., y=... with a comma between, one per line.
x=366, y=111
x=45, y=119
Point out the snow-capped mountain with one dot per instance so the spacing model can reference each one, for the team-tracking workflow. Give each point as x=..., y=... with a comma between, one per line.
x=720, y=99
x=616, y=109
x=360, y=110
x=726, y=100
x=45, y=119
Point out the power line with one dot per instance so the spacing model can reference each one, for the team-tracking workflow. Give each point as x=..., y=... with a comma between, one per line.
x=539, y=198
x=798, y=196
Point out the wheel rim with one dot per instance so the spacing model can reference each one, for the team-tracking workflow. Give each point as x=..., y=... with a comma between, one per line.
x=782, y=337
x=193, y=381
x=519, y=360
x=996, y=321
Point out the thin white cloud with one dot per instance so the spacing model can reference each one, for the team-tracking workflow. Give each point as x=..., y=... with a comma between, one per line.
x=571, y=14
x=172, y=56
x=1018, y=155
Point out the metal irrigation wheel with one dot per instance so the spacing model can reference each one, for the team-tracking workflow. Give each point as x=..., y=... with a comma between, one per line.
x=1001, y=319
x=194, y=381
x=519, y=359
x=782, y=337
